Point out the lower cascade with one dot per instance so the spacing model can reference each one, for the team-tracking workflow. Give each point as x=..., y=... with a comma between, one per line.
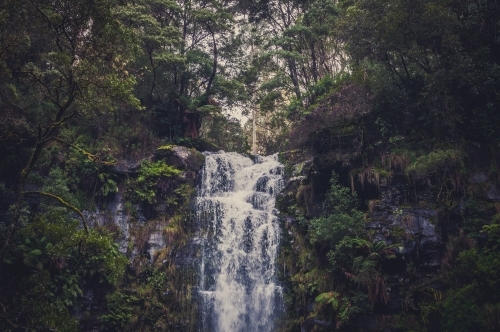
x=240, y=236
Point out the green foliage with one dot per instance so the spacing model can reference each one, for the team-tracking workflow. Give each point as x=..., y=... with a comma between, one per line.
x=423, y=80
x=461, y=312
x=354, y=260
x=151, y=170
x=493, y=232
x=148, y=184
x=157, y=280
x=166, y=147
x=59, y=184
x=108, y=184
x=226, y=133
x=183, y=194
x=52, y=261
x=436, y=161
x=342, y=219
x=328, y=298
x=119, y=311
x=101, y=257
x=474, y=216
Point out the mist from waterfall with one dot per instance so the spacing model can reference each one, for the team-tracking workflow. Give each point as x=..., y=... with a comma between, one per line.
x=240, y=236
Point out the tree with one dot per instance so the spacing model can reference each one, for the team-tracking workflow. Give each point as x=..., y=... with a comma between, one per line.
x=433, y=65
x=72, y=62
x=182, y=44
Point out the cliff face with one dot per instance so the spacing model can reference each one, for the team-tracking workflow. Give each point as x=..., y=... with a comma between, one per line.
x=151, y=217
x=414, y=231
x=141, y=221
x=142, y=224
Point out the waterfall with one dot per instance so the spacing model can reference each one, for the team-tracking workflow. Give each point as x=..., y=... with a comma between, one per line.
x=235, y=210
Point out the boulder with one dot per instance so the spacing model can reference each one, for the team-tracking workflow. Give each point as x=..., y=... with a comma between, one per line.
x=181, y=157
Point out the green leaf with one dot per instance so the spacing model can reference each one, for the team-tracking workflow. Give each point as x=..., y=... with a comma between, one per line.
x=36, y=252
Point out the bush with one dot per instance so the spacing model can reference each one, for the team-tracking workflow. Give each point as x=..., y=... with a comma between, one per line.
x=461, y=312
x=152, y=179
x=438, y=160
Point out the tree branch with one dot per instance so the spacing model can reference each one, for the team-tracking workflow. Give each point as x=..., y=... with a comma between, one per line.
x=92, y=157
x=63, y=202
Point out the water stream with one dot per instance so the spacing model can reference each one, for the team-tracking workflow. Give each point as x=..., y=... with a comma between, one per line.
x=240, y=232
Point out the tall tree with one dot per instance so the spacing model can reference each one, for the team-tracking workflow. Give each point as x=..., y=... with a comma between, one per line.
x=181, y=46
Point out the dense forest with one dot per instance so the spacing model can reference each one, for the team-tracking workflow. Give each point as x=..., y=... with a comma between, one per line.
x=364, y=100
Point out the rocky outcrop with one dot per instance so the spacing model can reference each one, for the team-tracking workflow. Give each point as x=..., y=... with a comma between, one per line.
x=392, y=217
x=126, y=167
x=181, y=157
x=395, y=219
x=155, y=236
x=128, y=217
x=408, y=215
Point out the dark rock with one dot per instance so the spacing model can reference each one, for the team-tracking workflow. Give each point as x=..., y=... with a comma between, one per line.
x=306, y=167
x=367, y=322
x=187, y=254
x=181, y=157
x=204, y=145
x=125, y=167
x=289, y=221
x=479, y=177
x=293, y=183
x=493, y=194
x=311, y=323
x=294, y=157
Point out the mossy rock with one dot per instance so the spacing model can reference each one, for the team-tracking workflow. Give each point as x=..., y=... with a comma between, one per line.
x=181, y=157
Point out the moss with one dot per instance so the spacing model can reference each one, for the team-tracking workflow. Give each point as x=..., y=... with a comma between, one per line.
x=166, y=147
x=398, y=232
x=173, y=232
x=199, y=158
x=201, y=144
x=372, y=203
x=305, y=196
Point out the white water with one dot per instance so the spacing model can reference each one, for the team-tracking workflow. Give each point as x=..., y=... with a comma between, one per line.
x=235, y=207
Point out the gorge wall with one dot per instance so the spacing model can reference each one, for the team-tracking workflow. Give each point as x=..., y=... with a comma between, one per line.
x=400, y=272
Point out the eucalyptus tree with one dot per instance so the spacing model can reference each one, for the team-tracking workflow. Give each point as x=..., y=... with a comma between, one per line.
x=294, y=46
x=182, y=44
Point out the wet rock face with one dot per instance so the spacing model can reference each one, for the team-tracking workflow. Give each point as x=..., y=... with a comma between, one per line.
x=396, y=220
x=186, y=255
x=493, y=194
x=140, y=229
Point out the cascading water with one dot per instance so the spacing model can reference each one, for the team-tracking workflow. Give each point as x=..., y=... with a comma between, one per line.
x=234, y=208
